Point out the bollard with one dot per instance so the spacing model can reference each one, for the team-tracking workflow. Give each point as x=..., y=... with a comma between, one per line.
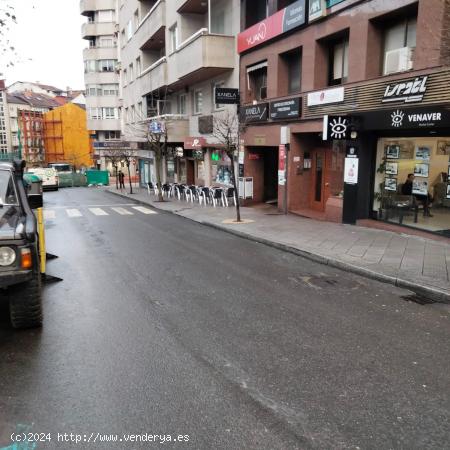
x=41, y=231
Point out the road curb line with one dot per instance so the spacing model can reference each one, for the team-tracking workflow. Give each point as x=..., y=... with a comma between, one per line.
x=433, y=294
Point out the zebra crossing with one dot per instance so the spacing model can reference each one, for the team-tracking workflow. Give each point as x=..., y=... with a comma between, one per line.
x=74, y=213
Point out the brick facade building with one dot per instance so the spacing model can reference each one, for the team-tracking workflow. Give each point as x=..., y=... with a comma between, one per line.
x=377, y=73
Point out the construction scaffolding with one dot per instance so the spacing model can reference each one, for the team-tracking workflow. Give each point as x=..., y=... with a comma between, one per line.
x=32, y=126
x=54, y=137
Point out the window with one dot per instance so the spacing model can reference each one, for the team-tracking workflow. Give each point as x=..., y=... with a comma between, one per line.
x=293, y=61
x=255, y=11
x=216, y=85
x=110, y=89
x=90, y=66
x=257, y=81
x=122, y=34
x=138, y=67
x=182, y=99
x=198, y=101
x=110, y=113
x=399, y=42
x=131, y=72
x=140, y=111
x=136, y=19
x=94, y=113
x=125, y=77
x=93, y=90
x=129, y=30
x=173, y=33
x=107, y=41
x=106, y=65
x=112, y=135
x=105, y=16
x=338, y=68
x=127, y=116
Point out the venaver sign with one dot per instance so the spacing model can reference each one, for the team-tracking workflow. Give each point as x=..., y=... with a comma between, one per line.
x=281, y=22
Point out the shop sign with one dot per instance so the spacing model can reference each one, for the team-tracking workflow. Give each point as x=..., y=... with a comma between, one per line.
x=317, y=10
x=336, y=127
x=406, y=119
x=285, y=109
x=255, y=113
x=326, y=97
x=193, y=143
x=156, y=127
x=227, y=96
x=282, y=157
x=281, y=22
x=179, y=152
x=112, y=144
x=253, y=156
x=197, y=154
x=406, y=91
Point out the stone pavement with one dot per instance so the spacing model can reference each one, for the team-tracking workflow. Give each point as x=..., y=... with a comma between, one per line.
x=419, y=264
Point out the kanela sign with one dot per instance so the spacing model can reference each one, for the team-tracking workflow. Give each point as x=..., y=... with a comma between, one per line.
x=227, y=96
x=255, y=113
x=285, y=109
x=281, y=22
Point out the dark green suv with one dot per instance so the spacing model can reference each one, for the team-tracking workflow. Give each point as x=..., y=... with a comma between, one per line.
x=20, y=277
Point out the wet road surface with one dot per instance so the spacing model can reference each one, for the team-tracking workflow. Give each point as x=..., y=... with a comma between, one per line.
x=164, y=326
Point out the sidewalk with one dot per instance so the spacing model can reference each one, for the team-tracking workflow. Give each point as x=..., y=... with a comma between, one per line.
x=419, y=264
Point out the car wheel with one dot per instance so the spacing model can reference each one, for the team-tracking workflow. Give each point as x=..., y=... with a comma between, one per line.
x=25, y=303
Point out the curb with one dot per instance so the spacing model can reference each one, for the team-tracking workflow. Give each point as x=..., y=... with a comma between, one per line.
x=433, y=294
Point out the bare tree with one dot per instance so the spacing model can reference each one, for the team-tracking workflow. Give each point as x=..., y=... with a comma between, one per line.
x=227, y=129
x=114, y=156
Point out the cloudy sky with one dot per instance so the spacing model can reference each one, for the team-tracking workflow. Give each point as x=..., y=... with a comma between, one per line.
x=48, y=32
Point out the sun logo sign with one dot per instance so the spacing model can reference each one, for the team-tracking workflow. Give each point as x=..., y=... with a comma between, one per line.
x=397, y=118
x=338, y=128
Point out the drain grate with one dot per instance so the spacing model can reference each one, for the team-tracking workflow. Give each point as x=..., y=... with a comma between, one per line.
x=417, y=299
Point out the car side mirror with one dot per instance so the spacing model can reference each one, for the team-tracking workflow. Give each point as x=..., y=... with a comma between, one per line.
x=35, y=201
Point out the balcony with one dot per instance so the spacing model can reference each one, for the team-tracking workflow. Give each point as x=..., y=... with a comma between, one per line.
x=177, y=126
x=101, y=78
x=103, y=125
x=151, y=31
x=93, y=29
x=88, y=6
x=100, y=53
x=192, y=6
x=154, y=77
x=200, y=57
x=108, y=101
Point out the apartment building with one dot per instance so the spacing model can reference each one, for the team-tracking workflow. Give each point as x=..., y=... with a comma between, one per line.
x=5, y=140
x=342, y=99
x=101, y=72
x=173, y=56
x=26, y=119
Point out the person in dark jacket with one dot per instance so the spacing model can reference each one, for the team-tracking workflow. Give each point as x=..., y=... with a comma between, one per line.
x=407, y=189
x=121, y=180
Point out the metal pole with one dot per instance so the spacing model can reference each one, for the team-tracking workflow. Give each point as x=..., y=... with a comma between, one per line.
x=209, y=16
x=286, y=177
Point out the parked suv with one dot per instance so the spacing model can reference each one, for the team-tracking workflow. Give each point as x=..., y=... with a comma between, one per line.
x=20, y=277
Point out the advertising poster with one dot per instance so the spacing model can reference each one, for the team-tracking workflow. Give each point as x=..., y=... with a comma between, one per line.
x=351, y=170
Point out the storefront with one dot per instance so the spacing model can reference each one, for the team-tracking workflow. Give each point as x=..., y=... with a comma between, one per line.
x=411, y=180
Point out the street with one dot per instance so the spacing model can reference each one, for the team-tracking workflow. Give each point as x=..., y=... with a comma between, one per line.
x=163, y=326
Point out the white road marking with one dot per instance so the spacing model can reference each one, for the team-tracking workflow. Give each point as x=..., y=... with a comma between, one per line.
x=144, y=210
x=73, y=213
x=122, y=211
x=49, y=214
x=98, y=212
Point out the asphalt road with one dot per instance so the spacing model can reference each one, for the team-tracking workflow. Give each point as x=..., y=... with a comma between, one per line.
x=164, y=326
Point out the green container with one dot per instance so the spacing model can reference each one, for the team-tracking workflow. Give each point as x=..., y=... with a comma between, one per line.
x=34, y=184
x=71, y=180
x=97, y=177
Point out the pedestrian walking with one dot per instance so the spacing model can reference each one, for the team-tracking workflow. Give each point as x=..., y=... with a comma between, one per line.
x=121, y=180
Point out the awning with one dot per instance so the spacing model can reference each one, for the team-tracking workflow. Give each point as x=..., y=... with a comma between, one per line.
x=257, y=66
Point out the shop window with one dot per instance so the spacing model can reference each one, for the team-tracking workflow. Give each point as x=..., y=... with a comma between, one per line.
x=257, y=81
x=291, y=64
x=399, y=46
x=338, y=62
x=412, y=183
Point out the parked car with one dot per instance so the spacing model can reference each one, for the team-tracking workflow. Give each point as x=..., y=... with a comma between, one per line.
x=48, y=175
x=20, y=275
